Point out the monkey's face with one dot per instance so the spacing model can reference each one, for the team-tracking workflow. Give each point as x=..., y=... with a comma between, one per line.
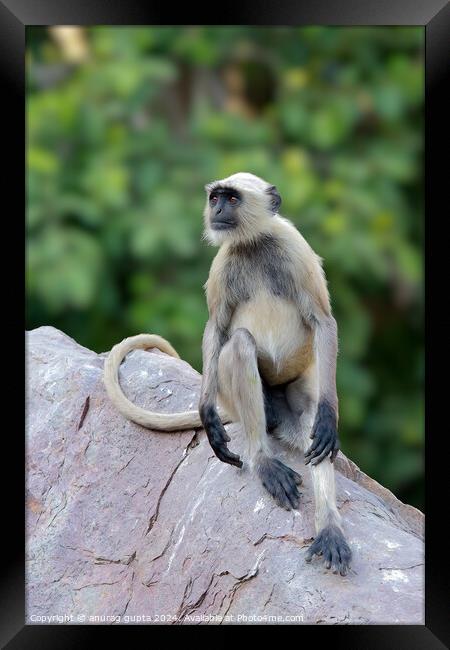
x=223, y=208
x=239, y=208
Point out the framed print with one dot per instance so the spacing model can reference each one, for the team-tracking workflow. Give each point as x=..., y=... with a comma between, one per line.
x=230, y=436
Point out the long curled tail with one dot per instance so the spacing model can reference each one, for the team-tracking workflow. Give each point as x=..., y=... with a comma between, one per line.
x=150, y=419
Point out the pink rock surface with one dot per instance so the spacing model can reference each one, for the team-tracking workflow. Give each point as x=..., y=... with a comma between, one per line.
x=125, y=525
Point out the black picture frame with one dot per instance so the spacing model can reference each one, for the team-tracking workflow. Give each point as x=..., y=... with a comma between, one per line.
x=434, y=16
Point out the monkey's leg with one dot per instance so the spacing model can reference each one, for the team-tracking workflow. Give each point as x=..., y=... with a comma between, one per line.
x=330, y=541
x=273, y=395
x=240, y=390
x=281, y=422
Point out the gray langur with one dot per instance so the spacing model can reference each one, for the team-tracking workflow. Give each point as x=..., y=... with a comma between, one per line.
x=269, y=354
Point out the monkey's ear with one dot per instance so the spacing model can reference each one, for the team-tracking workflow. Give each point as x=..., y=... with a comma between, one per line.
x=275, y=198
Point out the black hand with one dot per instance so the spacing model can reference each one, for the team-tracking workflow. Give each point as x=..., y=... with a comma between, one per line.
x=217, y=435
x=324, y=435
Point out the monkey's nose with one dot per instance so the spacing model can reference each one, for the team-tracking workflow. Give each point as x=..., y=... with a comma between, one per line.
x=219, y=210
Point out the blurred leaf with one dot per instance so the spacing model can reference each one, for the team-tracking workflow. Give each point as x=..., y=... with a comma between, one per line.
x=119, y=147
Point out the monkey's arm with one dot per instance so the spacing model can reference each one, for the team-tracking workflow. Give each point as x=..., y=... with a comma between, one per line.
x=325, y=428
x=213, y=340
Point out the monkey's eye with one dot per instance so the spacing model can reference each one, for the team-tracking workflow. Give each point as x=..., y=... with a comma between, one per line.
x=213, y=198
x=233, y=199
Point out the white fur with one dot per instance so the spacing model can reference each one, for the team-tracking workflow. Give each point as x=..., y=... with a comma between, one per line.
x=158, y=421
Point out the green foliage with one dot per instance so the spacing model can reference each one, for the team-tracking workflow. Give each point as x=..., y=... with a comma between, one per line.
x=121, y=144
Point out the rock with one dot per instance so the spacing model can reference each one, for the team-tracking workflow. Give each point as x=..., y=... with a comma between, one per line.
x=133, y=526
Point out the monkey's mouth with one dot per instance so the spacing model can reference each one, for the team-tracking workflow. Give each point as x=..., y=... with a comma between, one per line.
x=222, y=225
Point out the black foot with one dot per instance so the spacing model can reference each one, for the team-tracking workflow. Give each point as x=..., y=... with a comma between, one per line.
x=280, y=482
x=331, y=545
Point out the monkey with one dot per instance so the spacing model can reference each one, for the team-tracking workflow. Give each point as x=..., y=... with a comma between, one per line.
x=269, y=354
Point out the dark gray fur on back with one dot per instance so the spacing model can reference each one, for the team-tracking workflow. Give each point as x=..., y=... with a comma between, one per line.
x=265, y=260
